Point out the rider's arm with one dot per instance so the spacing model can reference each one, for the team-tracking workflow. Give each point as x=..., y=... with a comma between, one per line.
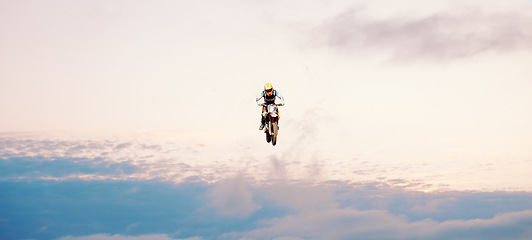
x=281, y=98
x=258, y=99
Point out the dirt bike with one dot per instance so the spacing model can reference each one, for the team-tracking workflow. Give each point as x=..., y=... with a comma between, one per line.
x=271, y=122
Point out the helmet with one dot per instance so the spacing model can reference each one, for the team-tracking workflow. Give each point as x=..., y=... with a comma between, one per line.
x=268, y=88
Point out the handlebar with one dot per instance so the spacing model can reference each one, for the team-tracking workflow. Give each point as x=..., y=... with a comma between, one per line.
x=276, y=104
x=264, y=104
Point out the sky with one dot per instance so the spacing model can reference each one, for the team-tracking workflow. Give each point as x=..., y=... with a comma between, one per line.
x=137, y=119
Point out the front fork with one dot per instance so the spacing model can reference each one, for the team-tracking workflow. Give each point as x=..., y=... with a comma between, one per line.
x=269, y=123
x=268, y=120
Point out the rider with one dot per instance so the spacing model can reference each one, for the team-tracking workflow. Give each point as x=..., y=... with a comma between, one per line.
x=269, y=95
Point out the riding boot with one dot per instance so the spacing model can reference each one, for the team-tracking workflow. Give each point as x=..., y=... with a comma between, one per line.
x=262, y=123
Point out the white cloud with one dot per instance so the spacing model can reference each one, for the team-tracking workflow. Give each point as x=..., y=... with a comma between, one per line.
x=354, y=224
x=232, y=198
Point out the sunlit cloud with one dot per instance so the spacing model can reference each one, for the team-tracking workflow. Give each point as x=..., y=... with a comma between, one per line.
x=186, y=158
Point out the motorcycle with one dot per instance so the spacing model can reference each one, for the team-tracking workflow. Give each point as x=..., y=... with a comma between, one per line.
x=271, y=121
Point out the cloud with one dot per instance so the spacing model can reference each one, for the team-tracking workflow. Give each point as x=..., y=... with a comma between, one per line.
x=43, y=155
x=62, y=168
x=308, y=154
x=123, y=145
x=354, y=224
x=238, y=208
x=298, y=196
x=40, y=209
x=381, y=211
x=459, y=31
x=232, y=198
x=131, y=193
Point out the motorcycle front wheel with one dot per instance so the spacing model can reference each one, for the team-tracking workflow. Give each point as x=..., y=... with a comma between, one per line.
x=274, y=135
x=268, y=137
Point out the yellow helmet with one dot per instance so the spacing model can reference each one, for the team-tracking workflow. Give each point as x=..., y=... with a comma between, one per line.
x=268, y=87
